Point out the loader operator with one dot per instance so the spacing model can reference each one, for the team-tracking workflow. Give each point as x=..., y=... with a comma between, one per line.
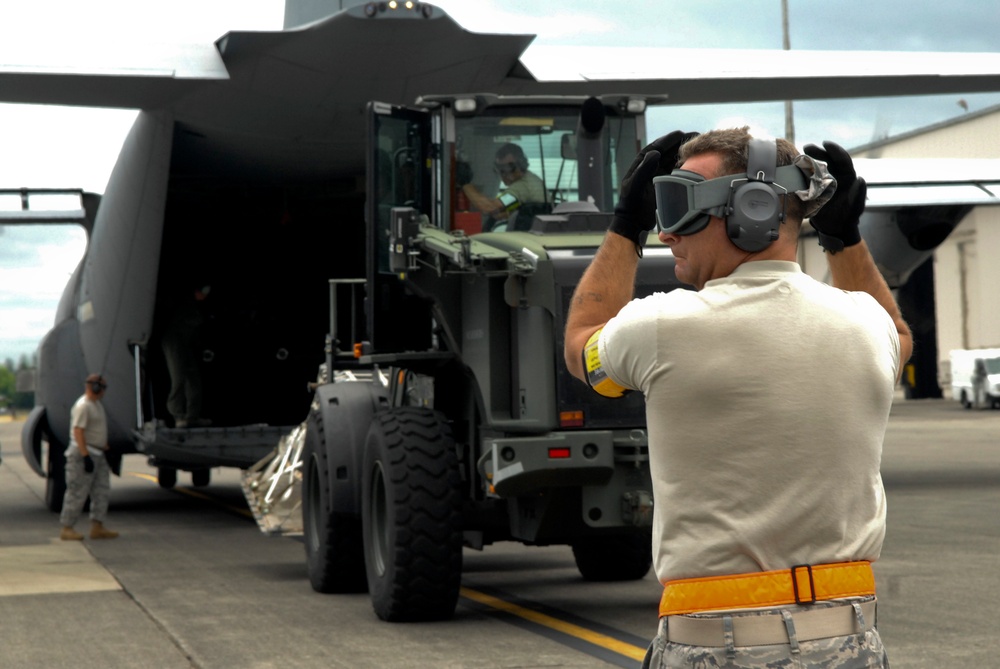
x=769, y=505
x=521, y=186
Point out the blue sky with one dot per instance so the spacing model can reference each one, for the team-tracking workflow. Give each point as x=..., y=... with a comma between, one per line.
x=61, y=147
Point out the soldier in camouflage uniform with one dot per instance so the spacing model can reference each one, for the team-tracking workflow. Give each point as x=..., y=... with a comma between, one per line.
x=87, y=469
x=767, y=396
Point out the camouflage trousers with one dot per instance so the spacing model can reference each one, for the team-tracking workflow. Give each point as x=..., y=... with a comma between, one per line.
x=80, y=485
x=855, y=651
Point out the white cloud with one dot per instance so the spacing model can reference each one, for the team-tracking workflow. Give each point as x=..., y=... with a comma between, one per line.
x=43, y=282
x=179, y=20
x=35, y=264
x=25, y=323
x=60, y=147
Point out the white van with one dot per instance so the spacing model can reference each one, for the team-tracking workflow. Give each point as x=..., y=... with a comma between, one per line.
x=975, y=377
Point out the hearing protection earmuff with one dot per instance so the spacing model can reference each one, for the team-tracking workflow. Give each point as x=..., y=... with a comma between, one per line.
x=756, y=209
x=97, y=387
x=752, y=205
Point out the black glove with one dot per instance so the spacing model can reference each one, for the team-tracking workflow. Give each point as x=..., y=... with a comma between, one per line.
x=837, y=222
x=463, y=173
x=635, y=214
x=88, y=464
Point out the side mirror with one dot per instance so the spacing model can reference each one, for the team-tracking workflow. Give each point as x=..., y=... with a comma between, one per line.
x=568, y=147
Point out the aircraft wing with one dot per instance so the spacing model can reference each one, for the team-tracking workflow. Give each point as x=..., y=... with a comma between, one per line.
x=694, y=76
x=344, y=57
x=125, y=74
x=913, y=204
x=397, y=56
x=290, y=102
x=906, y=182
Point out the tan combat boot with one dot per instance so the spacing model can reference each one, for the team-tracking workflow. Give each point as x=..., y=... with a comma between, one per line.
x=69, y=534
x=98, y=531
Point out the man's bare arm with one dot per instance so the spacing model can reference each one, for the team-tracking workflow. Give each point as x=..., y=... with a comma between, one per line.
x=606, y=287
x=480, y=202
x=609, y=282
x=854, y=269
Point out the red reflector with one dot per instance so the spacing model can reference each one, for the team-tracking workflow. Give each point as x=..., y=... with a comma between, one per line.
x=558, y=452
x=570, y=419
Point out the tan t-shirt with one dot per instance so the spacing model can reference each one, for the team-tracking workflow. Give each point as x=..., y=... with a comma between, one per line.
x=528, y=189
x=91, y=417
x=767, y=398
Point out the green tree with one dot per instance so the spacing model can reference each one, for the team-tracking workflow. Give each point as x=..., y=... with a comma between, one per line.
x=9, y=397
x=7, y=386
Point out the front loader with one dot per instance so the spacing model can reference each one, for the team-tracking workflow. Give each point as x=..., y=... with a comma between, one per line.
x=445, y=417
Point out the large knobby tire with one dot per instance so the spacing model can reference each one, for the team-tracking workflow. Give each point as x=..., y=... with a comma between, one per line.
x=412, y=516
x=334, y=554
x=621, y=558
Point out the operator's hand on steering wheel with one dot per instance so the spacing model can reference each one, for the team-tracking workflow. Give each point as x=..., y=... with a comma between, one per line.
x=837, y=222
x=635, y=214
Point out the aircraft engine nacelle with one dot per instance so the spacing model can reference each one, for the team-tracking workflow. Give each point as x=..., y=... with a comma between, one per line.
x=901, y=239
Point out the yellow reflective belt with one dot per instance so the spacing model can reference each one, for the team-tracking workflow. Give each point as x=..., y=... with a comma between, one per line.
x=802, y=584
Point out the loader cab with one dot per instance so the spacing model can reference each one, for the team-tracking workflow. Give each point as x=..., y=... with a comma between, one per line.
x=525, y=155
x=522, y=156
x=532, y=157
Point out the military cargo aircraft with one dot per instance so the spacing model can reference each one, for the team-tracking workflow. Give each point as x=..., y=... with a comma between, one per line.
x=245, y=169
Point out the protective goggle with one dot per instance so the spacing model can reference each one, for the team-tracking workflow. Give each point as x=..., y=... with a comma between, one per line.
x=685, y=201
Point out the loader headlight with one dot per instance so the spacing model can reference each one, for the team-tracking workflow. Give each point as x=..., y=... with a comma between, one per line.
x=465, y=105
x=635, y=106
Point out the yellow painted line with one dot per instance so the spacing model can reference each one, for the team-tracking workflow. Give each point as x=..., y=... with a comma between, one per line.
x=582, y=633
x=196, y=494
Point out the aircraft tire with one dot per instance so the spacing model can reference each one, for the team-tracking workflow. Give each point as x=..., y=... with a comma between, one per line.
x=411, y=504
x=625, y=558
x=334, y=554
x=201, y=477
x=166, y=477
x=55, y=481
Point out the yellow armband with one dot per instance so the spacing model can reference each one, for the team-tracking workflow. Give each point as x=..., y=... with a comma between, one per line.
x=509, y=202
x=597, y=378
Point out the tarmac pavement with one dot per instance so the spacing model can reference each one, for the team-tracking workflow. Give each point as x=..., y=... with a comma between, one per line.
x=126, y=603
